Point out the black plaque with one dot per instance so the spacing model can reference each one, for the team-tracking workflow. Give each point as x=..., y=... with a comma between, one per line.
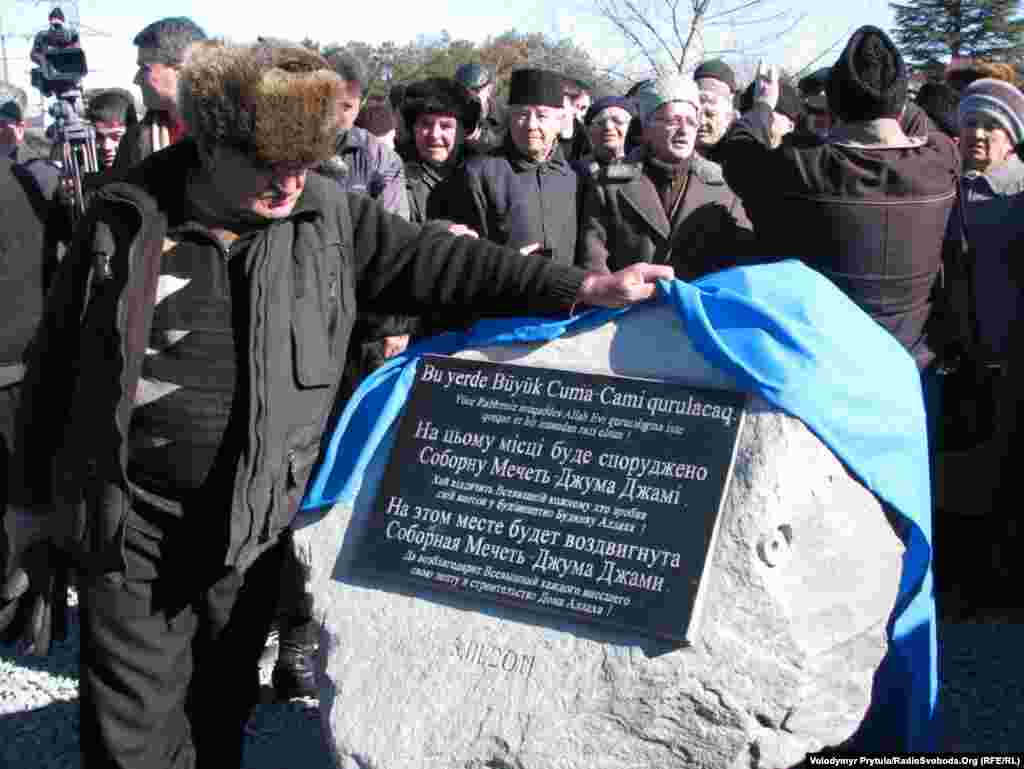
x=596, y=497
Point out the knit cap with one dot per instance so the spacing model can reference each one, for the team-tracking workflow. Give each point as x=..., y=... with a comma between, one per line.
x=870, y=79
x=665, y=89
x=998, y=100
x=605, y=102
x=716, y=69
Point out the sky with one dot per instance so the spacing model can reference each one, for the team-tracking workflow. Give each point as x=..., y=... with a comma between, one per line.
x=109, y=25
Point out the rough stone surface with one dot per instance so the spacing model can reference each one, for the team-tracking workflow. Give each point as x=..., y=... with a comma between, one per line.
x=802, y=581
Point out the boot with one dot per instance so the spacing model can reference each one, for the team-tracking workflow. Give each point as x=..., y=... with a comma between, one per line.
x=293, y=672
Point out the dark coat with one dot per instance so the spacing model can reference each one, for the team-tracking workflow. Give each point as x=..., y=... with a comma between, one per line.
x=26, y=260
x=624, y=221
x=306, y=277
x=515, y=202
x=870, y=218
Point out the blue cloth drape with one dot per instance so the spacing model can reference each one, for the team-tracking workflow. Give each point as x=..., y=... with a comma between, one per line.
x=786, y=333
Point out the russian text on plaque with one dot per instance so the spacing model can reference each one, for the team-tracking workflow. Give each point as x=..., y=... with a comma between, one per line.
x=595, y=497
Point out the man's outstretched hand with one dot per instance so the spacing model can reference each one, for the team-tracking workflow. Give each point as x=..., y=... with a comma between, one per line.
x=627, y=286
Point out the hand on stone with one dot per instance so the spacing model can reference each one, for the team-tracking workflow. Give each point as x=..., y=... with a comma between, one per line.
x=627, y=286
x=461, y=229
x=395, y=345
x=33, y=596
x=766, y=84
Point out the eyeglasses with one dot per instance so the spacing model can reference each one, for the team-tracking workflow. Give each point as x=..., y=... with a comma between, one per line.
x=617, y=121
x=675, y=123
x=523, y=115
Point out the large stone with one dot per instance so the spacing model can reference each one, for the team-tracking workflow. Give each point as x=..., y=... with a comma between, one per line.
x=802, y=580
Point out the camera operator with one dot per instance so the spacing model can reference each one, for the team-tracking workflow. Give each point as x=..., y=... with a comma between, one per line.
x=57, y=35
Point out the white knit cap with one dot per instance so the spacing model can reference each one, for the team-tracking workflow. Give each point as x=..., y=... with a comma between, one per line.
x=665, y=89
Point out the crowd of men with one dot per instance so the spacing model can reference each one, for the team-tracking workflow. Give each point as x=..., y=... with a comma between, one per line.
x=266, y=210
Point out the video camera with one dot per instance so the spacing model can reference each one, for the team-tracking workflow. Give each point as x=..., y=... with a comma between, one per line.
x=62, y=69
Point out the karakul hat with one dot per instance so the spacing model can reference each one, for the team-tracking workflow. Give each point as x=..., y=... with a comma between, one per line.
x=667, y=89
x=870, y=79
x=605, y=102
x=716, y=69
x=535, y=86
x=998, y=100
x=441, y=95
x=276, y=103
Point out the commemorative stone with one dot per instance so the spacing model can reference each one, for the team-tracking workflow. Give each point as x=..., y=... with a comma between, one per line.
x=596, y=553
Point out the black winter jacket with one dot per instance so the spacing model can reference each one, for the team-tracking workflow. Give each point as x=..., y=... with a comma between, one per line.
x=27, y=259
x=515, y=202
x=307, y=276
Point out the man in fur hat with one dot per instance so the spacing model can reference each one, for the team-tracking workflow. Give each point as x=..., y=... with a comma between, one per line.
x=524, y=194
x=180, y=382
x=163, y=49
x=439, y=114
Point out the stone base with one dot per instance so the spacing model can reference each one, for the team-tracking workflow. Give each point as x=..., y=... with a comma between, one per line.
x=802, y=581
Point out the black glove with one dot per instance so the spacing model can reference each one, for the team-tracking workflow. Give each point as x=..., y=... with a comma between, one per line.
x=33, y=600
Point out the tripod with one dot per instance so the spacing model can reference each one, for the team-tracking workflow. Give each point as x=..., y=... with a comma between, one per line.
x=77, y=142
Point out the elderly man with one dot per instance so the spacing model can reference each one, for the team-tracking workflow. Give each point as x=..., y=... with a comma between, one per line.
x=163, y=48
x=716, y=82
x=212, y=293
x=665, y=204
x=439, y=113
x=524, y=195
x=608, y=121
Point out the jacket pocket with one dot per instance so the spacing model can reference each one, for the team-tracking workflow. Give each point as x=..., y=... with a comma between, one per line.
x=320, y=312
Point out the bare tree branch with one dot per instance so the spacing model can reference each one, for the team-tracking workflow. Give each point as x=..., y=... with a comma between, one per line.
x=649, y=26
x=609, y=13
x=737, y=9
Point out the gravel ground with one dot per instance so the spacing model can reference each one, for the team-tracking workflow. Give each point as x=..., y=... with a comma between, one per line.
x=982, y=703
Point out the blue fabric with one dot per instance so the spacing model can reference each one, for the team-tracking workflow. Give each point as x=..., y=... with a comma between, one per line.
x=785, y=332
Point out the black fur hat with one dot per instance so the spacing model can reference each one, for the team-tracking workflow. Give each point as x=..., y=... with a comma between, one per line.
x=441, y=95
x=535, y=86
x=870, y=79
